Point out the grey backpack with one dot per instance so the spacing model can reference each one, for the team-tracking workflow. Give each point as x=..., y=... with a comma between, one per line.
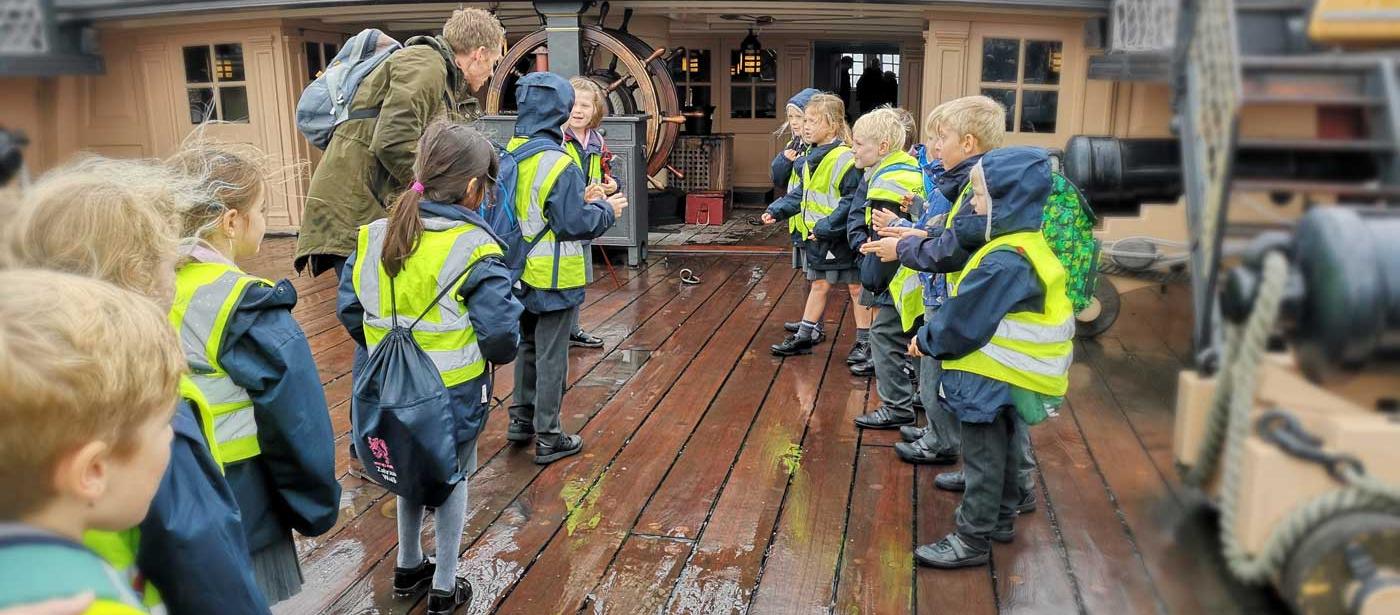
x=325, y=103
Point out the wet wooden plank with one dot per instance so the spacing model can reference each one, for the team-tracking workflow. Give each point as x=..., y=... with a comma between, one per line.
x=1158, y=522
x=500, y=557
x=723, y=573
x=594, y=530
x=607, y=364
x=502, y=478
x=640, y=578
x=682, y=502
x=875, y=567
x=1111, y=574
x=966, y=591
x=797, y=576
x=1031, y=572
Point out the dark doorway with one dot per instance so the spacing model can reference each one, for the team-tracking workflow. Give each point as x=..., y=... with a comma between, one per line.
x=866, y=75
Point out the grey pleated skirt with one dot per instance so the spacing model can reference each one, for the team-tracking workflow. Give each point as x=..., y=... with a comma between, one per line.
x=276, y=570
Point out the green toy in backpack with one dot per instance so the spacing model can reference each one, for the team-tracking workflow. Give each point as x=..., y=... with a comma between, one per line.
x=1068, y=227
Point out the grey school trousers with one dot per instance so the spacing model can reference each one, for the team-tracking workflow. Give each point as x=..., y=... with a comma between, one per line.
x=889, y=345
x=542, y=369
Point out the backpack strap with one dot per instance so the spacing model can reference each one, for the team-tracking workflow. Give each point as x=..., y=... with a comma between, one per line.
x=394, y=307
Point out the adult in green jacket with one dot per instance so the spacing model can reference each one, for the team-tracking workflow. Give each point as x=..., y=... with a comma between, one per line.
x=370, y=161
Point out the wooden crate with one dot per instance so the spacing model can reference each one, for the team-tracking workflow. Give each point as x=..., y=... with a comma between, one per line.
x=706, y=161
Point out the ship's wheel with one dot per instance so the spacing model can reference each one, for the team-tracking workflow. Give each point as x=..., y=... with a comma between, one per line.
x=632, y=73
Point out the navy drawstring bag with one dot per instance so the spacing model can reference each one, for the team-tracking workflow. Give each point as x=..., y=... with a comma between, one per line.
x=403, y=417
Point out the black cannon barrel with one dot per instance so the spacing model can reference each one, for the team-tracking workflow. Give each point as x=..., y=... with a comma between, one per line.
x=1124, y=171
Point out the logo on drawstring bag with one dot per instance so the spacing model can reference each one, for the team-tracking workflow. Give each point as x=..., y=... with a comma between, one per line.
x=380, y=449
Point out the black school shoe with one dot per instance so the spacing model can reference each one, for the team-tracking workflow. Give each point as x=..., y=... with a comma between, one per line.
x=793, y=345
x=884, y=418
x=794, y=327
x=584, y=339
x=520, y=432
x=910, y=433
x=951, y=552
x=446, y=602
x=563, y=445
x=864, y=370
x=860, y=353
x=956, y=481
x=916, y=452
x=408, y=581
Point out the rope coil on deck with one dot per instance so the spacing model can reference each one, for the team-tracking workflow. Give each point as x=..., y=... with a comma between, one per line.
x=1228, y=427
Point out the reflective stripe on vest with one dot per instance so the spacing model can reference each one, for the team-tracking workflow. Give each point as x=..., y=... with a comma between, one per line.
x=593, y=171
x=895, y=185
x=821, y=189
x=445, y=249
x=551, y=264
x=1032, y=350
x=907, y=291
x=119, y=551
x=952, y=277
x=206, y=295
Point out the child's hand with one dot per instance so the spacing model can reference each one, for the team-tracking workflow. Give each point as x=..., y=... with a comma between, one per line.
x=768, y=218
x=884, y=248
x=790, y=154
x=619, y=203
x=882, y=218
x=594, y=192
x=900, y=232
x=609, y=185
x=914, y=349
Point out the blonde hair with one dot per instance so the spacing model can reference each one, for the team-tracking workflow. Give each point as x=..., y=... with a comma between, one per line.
x=979, y=116
x=786, y=126
x=584, y=85
x=471, y=28
x=883, y=125
x=906, y=121
x=831, y=108
x=114, y=220
x=932, y=120
x=231, y=176
x=80, y=361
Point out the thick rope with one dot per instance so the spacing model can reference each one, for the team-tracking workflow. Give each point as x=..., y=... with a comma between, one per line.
x=1229, y=426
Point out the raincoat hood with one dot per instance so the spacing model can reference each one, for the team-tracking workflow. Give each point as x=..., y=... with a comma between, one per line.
x=544, y=100
x=801, y=99
x=1018, y=180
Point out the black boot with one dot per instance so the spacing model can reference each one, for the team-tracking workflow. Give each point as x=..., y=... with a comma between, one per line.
x=442, y=602
x=410, y=580
x=951, y=552
x=584, y=339
x=864, y=370
x=860, y=353
x=794, y=345
x=884, y=417
x=520, y=432
x=916, y=452
x=951, y=481
x=910, y=433
x=551, y=449
x=1005, y=531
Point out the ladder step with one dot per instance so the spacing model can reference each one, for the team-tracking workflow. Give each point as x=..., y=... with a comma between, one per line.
x=1313, y=63
x=1320, y=145
x=1334, y=100
x=1366, y=190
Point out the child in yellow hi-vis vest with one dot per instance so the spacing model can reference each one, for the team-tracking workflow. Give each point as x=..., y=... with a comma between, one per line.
x=557, y=212
x=253, y=363
x=585, y=145
x=113, y=220
x=1005, y=333
x=817, y=207
x=892, y=185
x=437, y=257
x=89, y=374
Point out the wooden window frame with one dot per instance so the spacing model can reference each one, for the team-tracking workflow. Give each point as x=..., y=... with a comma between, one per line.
x=216, y=84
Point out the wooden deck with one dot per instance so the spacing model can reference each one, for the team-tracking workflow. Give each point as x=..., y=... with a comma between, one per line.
x=716, y=478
